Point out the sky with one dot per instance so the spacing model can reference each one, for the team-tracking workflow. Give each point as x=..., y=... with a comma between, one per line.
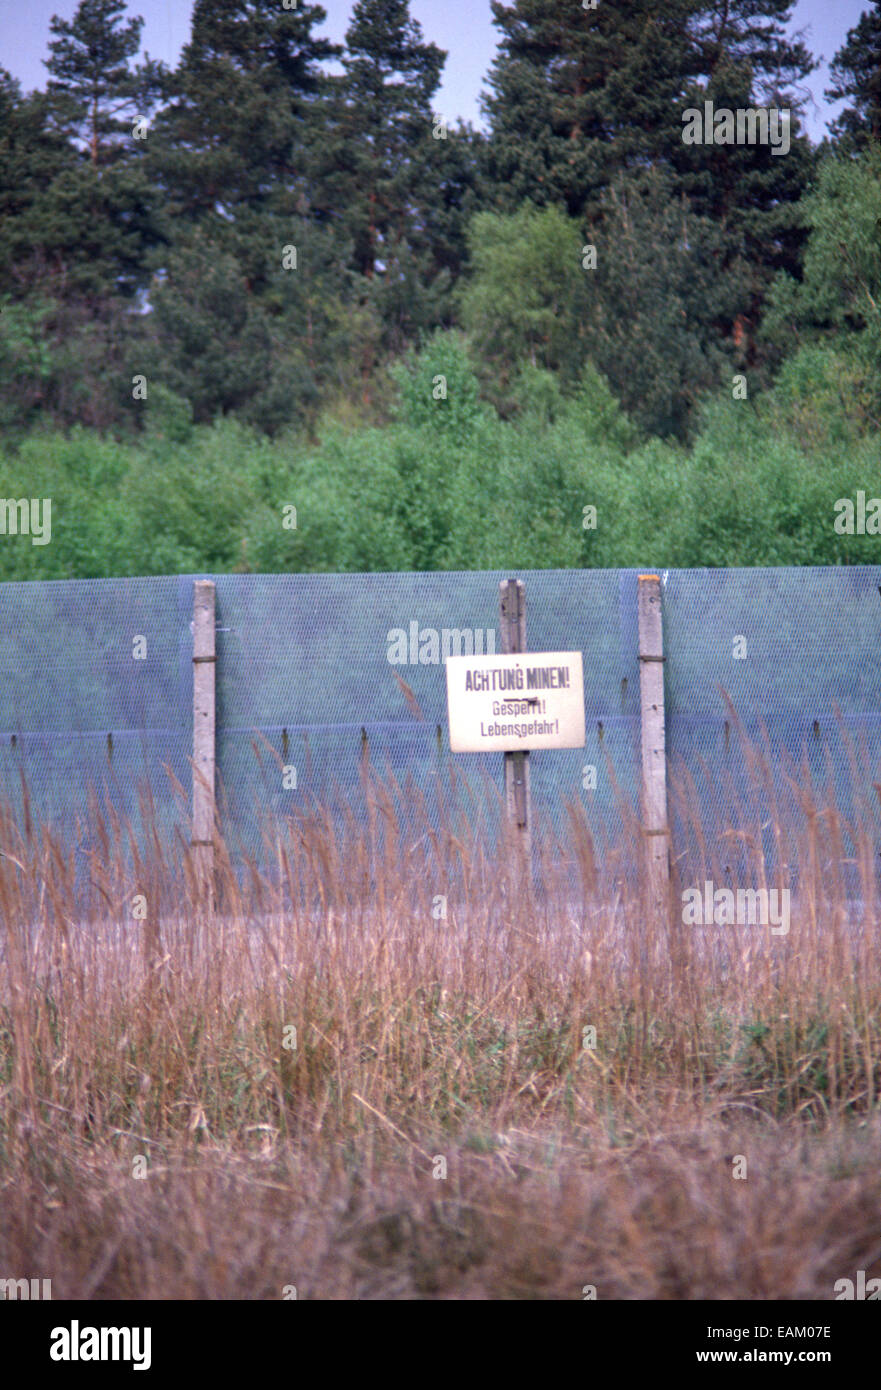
x=463, y=28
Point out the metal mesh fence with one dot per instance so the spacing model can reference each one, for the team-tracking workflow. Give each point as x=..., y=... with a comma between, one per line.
x=95, y=695
x=326, y=673
x=306, y=661
x=795, y=651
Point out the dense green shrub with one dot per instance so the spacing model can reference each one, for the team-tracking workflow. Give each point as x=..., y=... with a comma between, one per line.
x=450, y=485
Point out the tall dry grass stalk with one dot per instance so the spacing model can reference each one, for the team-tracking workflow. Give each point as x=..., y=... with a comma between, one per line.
x=395, y=1062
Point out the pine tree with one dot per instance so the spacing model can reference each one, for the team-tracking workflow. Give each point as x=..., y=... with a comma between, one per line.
x=244, y=110
x=659, y=302
x=32, y=155
x=576, y=95
x=384, y=117
x=78, y=217
x=98, y=214
x=837, y=302
x=856, y=71
x=454, y=192
x=394, y=178
x=750, y=35
x=580, y=98
x=96, y=95
x=751, y=192
x=235, y=151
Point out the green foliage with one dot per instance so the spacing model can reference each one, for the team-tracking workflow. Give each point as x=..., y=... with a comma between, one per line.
x=25, y=361
x=653, y=305
x=825, y=396
x=450, y=485
x=209, y=340
x=169, y=416
x=31, y=156
x=856, y=74
x=639, y=298
x=439, y=390
x=526, y=278
x=240, y=115
x=54, y=357
x=593, y=409
x=839, y=298
x=347, y=492
x=225, y=350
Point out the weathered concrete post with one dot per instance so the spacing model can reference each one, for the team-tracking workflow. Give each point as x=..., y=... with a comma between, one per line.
x=204, y=659
x=654, y=750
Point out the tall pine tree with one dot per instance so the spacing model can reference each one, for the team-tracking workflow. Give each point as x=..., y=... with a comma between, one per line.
x=99, y=214
x=384, y=118
x=394, y=178
x=752, y=35
x=579, y=98
x=751, y=192
x=235, y=151
x=96, y=94
x=78, y=216
x=856, y=73
x=32, y=155
x=244, y=110
x=577, y=95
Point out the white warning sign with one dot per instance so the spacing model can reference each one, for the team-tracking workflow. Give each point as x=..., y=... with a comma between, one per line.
x=511, y=703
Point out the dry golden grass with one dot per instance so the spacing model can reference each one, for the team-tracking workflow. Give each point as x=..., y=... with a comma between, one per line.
x=158, y=1139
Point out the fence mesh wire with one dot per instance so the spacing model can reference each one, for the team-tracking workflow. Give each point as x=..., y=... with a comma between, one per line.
x=96, y=692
